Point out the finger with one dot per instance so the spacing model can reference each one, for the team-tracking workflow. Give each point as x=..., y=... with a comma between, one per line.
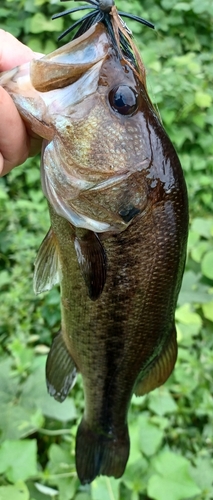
x=12, y=52
x=15, y=143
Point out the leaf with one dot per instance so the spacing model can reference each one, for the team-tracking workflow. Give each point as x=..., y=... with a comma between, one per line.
x=39, y=23
x=199, y=250
x=182, y=6
x=135, y=477
x=192, y=290
x=67, y=487
x=202, y=474
x=207, y=265
x=4, y=278
x=39, y=491
x=18, y=460
x=204, y=6
x=64, y=412
x=208, y=310
x=83, y=496
x=9, y=385
x=150, y=436
x=22, y=406
x=161, y=402
x=202, y=226
x=202, y=99
x=61, y=471
x=184, y=374
x=17, y=492
x=15, y=420
x=186, y=332
x=185, y=315
x=193, y=238
x=172, y=480
x=135, y=452
x=59, y=458
x=35, y=395
x=105, y=488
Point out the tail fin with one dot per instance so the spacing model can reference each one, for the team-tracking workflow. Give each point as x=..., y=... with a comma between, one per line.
x=99, y=453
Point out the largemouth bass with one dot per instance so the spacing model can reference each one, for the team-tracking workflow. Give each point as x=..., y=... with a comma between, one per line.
x=117, y=243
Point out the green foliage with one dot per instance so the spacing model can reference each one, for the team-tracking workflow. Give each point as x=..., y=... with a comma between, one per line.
x=18, y=460
x=172, y=478
x=18, y=491
x=171, y=428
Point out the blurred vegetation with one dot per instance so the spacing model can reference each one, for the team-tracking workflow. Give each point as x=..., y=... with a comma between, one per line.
x=172, y=428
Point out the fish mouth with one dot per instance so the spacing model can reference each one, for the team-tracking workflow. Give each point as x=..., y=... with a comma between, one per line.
x=68, y=63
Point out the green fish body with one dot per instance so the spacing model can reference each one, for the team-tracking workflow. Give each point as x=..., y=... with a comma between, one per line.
x=117, y=244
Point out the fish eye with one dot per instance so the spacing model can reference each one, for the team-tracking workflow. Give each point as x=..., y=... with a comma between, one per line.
x=123, y=100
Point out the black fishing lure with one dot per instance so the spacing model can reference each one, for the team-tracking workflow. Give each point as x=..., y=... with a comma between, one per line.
x=104, y=11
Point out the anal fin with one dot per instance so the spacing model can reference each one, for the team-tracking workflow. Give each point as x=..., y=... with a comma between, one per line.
x=161, y=370
x=60, y=369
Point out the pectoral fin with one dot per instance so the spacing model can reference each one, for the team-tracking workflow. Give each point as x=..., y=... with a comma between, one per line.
x=92, y=261
x=60, y=370
x=47, y=265
x=161, y=370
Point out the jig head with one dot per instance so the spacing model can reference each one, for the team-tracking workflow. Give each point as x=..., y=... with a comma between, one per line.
x=101, y=11
x=105, y=11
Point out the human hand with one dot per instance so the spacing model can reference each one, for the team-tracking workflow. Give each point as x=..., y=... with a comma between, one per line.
x=16, y=143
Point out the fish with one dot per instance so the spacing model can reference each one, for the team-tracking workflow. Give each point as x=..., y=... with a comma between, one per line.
x=118, y=207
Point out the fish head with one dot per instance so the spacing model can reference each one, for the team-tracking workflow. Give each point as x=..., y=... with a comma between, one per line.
x=91, y=170
x=90, y=104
